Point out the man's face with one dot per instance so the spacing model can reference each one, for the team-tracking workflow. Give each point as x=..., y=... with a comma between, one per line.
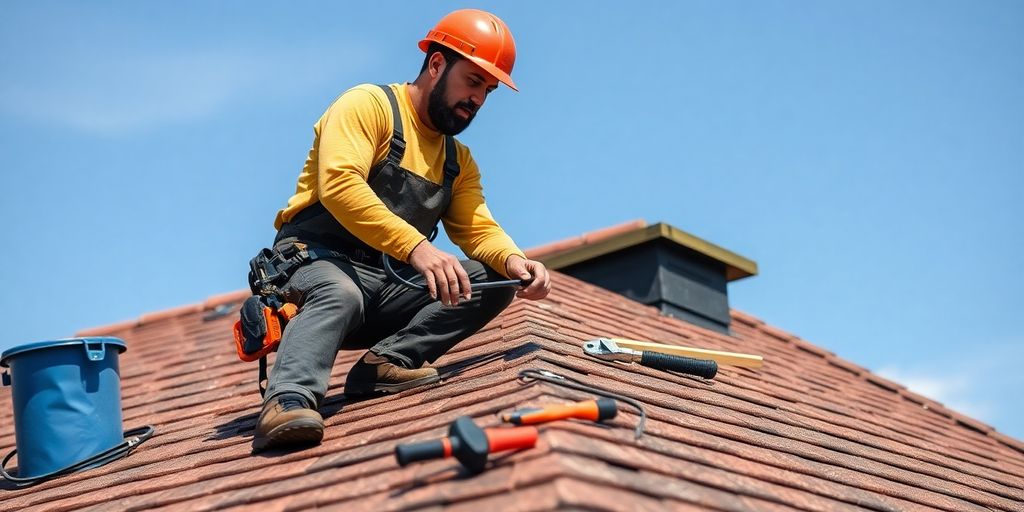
x=457, y=96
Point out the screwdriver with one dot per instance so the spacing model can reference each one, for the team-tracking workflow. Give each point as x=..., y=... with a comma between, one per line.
x=593, y=410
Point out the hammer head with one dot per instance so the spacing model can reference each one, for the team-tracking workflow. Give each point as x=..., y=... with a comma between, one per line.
x=469, y=444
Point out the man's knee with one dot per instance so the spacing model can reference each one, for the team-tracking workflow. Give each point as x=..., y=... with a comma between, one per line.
x=330, y=289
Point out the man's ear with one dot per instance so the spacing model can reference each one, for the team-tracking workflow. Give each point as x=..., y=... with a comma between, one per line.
x=435, y=66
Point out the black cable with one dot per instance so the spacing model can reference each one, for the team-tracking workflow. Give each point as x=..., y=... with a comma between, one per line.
x=133, y=437
x=529, y=376
x=482, y=285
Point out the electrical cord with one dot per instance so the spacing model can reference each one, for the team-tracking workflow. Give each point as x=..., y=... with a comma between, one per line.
x=530, y=376
x=482, y=285
x=133, y=438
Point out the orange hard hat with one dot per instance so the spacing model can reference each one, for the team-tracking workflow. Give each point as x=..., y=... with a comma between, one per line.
x=480, y=37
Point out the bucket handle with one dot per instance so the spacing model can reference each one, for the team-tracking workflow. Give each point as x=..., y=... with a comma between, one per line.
x=95, y=354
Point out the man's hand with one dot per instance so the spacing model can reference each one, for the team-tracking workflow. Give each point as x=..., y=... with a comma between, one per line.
x=518, y=267
x=442, y=272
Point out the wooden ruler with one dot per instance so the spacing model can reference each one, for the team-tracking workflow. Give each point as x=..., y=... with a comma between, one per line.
x=729, y=358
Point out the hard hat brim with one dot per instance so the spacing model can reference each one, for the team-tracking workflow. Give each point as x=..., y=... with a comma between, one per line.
x=488, y=67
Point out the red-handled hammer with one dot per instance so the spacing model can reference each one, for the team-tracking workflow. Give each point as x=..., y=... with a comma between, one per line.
x=469, y=444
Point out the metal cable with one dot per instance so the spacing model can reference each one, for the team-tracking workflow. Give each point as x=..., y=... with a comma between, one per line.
x=134, y=437
x=530, y=376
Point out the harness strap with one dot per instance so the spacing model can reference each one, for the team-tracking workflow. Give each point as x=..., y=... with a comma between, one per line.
x=397, y=147
x=263, y=377
x=397, y=150
x=451, y=163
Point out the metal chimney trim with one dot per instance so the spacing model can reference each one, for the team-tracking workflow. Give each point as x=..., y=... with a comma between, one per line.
x=736, y=266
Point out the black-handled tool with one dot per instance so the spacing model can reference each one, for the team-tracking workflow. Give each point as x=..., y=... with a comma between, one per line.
x=606, y=349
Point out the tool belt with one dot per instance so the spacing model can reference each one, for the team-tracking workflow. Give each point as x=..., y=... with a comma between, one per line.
x=264, y=316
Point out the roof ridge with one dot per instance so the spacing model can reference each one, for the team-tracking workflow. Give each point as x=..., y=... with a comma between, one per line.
x=589, y=237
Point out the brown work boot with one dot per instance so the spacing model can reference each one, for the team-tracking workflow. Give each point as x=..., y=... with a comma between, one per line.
x=287, y=420
x=376, y=374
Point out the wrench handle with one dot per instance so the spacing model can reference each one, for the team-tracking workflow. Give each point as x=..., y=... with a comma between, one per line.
x=700, y=367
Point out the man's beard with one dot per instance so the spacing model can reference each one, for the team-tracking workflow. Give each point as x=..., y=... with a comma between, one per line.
x=444, y=117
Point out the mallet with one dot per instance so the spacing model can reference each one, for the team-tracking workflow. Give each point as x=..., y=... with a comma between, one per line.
x=468, y=443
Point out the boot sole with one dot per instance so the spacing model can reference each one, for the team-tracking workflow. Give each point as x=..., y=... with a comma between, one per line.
x=300, y=432
x=392, y=388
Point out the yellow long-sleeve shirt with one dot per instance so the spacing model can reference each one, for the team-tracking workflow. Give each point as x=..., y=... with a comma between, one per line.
x=353, y=135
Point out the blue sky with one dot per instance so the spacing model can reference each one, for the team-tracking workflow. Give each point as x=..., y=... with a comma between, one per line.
x=868, y=155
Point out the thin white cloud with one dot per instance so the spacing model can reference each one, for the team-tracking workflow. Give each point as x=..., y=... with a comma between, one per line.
x=115, y=92
x=984, y=382
x=955, y=391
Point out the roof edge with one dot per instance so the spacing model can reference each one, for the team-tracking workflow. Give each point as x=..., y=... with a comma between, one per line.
x=590, y=237
x=211, y=303
x=951, y=416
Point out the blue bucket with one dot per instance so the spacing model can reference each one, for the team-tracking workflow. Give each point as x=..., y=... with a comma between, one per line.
x=67, y=401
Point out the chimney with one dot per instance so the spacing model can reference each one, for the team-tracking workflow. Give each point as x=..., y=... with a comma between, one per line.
x=659, y=265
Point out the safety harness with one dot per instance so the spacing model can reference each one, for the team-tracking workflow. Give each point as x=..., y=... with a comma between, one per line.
x=314, y=234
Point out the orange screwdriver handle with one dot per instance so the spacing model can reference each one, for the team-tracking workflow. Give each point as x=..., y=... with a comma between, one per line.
x=593, y=410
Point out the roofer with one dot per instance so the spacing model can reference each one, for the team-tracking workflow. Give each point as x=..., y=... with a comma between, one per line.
x=383, y=170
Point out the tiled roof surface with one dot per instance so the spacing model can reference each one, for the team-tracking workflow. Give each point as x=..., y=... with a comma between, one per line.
x=808, y=431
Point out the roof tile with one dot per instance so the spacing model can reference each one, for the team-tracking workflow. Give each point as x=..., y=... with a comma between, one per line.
x=173, y=313
x=236, y=297
x=106, y=330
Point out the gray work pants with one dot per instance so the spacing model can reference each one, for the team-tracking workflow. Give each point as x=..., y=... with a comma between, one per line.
x=349, y=305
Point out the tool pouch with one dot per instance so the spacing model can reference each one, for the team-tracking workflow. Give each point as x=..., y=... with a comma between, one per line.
x=258, y=331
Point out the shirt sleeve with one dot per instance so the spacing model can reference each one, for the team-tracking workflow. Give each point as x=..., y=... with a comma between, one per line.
x=470, y=225
x=352, y=132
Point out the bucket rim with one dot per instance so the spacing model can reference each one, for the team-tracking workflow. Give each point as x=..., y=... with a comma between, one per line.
x=28, y=347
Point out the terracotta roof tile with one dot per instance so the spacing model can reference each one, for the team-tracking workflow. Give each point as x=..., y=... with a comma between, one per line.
x=226, y=299
x=807, y=431
x=173, y=313
x=106, y=330
x=746, y=318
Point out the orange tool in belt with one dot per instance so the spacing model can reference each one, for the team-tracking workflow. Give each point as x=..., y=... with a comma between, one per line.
x=593, y=410
x=258, y=332
x=468, y=443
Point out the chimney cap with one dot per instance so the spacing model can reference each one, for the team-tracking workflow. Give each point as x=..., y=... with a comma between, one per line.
x=737, y=267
